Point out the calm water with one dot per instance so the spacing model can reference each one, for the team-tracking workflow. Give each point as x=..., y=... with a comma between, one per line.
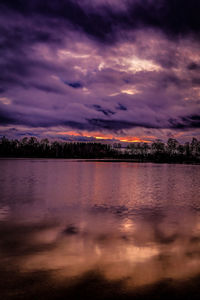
x=132, y=226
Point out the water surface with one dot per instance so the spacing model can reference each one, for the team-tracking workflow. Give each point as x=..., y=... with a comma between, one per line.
x=127, y=229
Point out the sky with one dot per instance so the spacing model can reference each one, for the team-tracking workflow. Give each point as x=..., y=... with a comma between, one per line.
x=87, y=70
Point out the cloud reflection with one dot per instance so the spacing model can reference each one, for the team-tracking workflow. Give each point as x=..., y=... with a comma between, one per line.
x=140, y=248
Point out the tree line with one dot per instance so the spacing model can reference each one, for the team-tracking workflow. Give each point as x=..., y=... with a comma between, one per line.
x=157, y=151
x=32, y=147
x=172, y=151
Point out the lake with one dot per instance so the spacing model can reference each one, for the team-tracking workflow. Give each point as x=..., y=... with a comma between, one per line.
x=75, y=229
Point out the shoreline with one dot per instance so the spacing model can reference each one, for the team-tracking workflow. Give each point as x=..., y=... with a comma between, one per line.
x=113, y=160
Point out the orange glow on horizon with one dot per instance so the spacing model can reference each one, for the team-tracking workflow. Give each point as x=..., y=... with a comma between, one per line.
x=134, y=139
x=100, y=136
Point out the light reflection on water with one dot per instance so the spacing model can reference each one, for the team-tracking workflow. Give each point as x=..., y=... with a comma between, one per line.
x=139, y=223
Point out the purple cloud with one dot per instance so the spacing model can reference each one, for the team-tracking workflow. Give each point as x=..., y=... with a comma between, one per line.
x=118, y=67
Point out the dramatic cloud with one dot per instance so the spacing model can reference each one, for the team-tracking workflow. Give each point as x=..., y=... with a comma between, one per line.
x=126, y=70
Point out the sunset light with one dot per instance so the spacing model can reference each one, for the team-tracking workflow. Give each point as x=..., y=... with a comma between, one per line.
x=100, y=149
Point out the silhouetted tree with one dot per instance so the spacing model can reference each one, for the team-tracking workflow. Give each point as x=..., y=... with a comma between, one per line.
x=194, y=147
x=157, y=151
x=158, y=146
x=172, y=145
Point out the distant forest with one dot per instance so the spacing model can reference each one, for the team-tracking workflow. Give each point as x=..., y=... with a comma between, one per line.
x=157, y=151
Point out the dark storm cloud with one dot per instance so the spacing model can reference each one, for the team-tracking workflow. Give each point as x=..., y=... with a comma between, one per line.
x=42, y=120
x=196, y=81
x=2, y=90
x=116, y=125
x=105, y=111
x=13, y=71
x=170, y=79
x=47, y=89
x=193, y=66
x=6, y=119
x=192, y=121
x=121, y=107
x=101, y=21
x=34, y=120
x=92, y=124
x=75, y=85
x=16, y=70
x=20, y=35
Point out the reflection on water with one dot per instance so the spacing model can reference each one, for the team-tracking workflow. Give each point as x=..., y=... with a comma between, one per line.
x=134, y=223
